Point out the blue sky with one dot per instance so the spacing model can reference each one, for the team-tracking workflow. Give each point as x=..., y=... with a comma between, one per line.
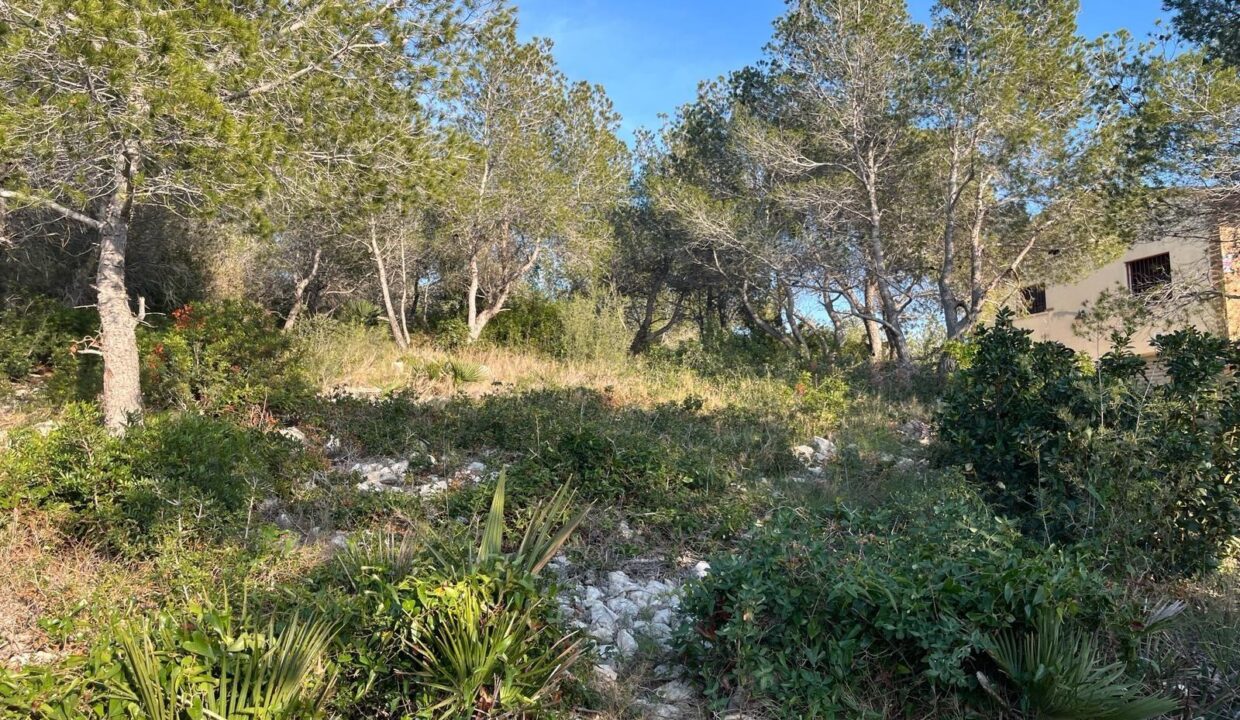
x=651, y=54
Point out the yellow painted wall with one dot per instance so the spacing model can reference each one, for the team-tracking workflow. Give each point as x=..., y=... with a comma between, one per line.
x=1230, y=268
x=1194, y=259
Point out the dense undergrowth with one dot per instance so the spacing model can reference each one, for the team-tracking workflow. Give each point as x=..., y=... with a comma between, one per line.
x=1071, y=510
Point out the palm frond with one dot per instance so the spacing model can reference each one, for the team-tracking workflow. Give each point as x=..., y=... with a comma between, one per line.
x=1059, y=675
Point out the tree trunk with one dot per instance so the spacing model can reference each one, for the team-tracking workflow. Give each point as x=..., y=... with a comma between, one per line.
x=122, y=388
x=766, y=327
x=471, y=301
x=299, y=292
x=873, y=329
x=478, y=319
x=402, y=341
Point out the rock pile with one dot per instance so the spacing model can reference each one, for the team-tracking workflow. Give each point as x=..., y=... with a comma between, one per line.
x=627, y=614
x=392, y=475
x=620, y=610
x=820, y=452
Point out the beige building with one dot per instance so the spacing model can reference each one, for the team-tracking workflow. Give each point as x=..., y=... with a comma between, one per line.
x=1178, y=276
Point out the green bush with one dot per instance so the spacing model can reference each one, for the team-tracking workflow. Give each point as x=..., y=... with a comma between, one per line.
x=222, y=357
x=1146, y=473
x=822, y=615
x=175, y=472
x=448, y=628
x=529, y=321
x=1058, y=672
x=582, y=327
x=200, y=663
x=40, y=333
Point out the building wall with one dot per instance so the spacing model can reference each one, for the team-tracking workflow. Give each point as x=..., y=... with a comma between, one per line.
x=1194, y=260
x=1229, y=267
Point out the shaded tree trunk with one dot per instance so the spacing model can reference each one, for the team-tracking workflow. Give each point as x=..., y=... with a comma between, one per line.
x=477, y=319
x=873, y=329
x=646, y=334
x=299, y=291
x=398, y=334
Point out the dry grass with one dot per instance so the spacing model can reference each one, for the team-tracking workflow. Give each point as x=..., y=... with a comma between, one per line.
x=366, y=357
x=53, y=593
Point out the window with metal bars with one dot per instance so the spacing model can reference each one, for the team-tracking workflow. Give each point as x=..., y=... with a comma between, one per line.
x=1034, y=299
x=1149, y=273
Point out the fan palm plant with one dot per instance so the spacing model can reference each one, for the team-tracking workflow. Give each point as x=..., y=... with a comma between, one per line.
x=543, y=537
x=172, y=674
x=1059, y=675
x=482, y=655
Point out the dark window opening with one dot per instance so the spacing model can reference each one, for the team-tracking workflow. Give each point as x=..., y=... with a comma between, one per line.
x=1034, y=298
x=1149, y=273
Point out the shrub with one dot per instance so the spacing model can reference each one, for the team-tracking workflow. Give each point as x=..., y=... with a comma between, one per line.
x=1145, y=473
x=39, y=332
x=1058, y=673
x=175, y=472
x=582, y=327
x=198, y=663
x=205, y=664
x=470, y=634
x=819, y=612
x=593, y=328
x=671, y=463
x=529, y=321
x=225, y=357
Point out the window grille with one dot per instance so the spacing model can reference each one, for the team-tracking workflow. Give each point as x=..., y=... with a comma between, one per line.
x=1149, y=273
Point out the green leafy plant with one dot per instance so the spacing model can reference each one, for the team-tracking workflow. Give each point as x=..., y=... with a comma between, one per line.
x=1147, y=474
x=1058, y=674
x=821, y=615
x=359, y=312
x=482, y=653
x=463, y=371
x=223, y=357
x=40, y=332
x=174, y=473
x=448, y=627
x=541, y=540
x=209, y=670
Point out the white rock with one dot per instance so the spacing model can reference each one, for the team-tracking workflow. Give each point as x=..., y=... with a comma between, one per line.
x=641, y=597
x=619, y=581
x=662, y=711
x=804, y=453
x=675, y=691
x=476, y=468
x=622, y=607
x=660, y=631
x=662, y=617
x=46, y=427
x=601, y=614
x=593, y=593
x=701, y=569
x=605, y=675
x=340, y=539
x=295, y=434
x=625, y=642
x=433, y=488
x=824, y=449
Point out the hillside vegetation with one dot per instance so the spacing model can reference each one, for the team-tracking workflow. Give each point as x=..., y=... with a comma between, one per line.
x=354, y=365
